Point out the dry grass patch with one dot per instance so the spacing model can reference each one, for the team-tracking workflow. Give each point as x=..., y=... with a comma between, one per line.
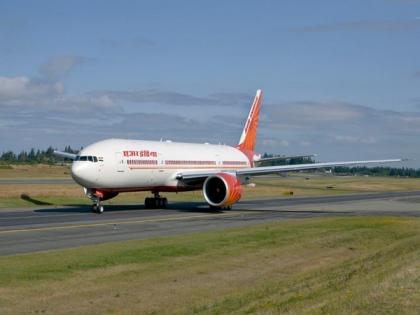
x=35, y=171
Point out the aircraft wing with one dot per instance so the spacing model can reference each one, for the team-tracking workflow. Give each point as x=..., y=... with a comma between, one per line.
x=65, y=155
x=195, y=177
x=282, y=158
x=257, y=171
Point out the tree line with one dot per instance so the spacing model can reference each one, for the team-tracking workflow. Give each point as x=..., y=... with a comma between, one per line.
x=34, y=156
x=377, y=171
x=345, y=170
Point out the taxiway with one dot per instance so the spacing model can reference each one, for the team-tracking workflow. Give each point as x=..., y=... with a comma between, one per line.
x=46, y=228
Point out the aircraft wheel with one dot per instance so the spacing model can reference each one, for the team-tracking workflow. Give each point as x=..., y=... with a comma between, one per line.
x=158, y=203
x=94, y=208
x=100, y=209
x=147, y=203
x=165, y=203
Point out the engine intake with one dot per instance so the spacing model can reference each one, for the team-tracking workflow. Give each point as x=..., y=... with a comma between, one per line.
x=222, y=190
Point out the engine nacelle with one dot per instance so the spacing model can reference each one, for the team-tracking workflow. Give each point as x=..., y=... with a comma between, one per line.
x=222, y=190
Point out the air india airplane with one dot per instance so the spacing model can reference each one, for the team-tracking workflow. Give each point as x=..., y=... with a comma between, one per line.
x=109, y=167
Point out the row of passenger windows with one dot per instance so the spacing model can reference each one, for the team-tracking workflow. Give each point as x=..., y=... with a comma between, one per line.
x=87, y=158
x=183, y=162
x=177, y=162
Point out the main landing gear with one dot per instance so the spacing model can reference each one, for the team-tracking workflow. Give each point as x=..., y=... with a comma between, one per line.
x=155, y=202
x=97, y=208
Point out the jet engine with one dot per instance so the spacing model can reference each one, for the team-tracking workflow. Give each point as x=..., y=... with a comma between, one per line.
x=222, y=190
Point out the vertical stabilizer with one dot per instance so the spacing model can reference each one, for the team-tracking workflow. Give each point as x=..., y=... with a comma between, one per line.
x=249, y=134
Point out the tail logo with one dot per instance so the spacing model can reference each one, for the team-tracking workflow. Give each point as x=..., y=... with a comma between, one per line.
x=249, y=134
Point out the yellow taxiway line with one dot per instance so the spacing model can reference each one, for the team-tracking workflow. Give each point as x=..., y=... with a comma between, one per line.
x=63, y=227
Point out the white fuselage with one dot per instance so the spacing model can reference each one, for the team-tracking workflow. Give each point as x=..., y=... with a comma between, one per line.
x=132, y=165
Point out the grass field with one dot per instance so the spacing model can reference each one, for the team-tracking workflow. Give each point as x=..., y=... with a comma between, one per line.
x=320, y=266
x=34, y=171
x=274, y=186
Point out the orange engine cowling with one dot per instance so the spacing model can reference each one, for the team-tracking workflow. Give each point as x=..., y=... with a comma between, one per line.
x=222, y=190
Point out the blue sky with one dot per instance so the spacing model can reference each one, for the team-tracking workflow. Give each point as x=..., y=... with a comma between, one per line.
x=341, y=79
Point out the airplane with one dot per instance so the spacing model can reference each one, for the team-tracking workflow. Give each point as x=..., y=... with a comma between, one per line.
x=109, y=167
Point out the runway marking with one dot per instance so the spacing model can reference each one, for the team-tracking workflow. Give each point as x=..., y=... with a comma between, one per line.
x=50, y=228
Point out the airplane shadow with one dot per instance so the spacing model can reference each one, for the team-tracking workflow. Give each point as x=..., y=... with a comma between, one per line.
x=178, y=207
x=34, y=201
x=192, y=207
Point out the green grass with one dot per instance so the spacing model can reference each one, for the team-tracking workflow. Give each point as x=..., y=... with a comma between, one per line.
x=358, y=265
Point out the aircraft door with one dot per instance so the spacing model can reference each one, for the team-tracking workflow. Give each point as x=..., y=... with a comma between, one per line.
x=100, y=166
x=119, y=162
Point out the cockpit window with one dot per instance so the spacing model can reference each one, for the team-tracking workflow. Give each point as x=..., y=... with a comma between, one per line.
x=87, y=158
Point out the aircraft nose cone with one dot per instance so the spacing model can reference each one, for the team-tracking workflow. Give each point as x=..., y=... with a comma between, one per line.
x=76, y=171
x=80, y=173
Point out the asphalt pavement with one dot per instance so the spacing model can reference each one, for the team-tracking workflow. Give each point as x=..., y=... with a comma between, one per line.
x=46, y=228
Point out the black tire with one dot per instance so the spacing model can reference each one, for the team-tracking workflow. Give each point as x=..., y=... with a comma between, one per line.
x=164, y=203
x=158, y=203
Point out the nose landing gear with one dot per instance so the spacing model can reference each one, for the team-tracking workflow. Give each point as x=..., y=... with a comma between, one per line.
x=97, y=208
x=156, y=202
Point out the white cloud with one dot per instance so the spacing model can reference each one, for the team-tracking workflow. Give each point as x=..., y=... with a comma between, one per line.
x=24, y=89
x=157, y=96
x=27, y=94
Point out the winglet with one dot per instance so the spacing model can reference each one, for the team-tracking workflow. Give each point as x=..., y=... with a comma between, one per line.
x=249, y=134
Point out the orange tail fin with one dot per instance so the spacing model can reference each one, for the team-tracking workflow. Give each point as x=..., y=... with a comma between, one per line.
x=249, y=134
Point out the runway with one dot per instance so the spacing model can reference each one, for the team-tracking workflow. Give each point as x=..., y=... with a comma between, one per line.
x=45, y=228
x=36, y=181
